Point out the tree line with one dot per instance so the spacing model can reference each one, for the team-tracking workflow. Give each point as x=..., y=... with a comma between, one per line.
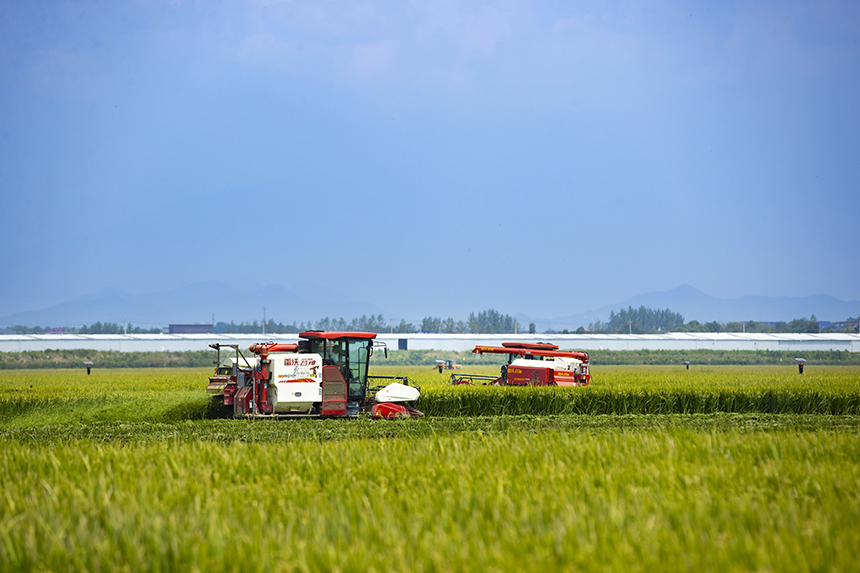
x=488, y=321
x=796, y=325
x=485, y=322
x=644, y=320
x=96, y=328
x=363, y=324
x=639, y=320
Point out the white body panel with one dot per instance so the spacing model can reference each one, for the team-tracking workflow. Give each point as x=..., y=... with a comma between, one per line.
x=294, y=397
x=563, y=363
x=296, y=382
x=531, y=363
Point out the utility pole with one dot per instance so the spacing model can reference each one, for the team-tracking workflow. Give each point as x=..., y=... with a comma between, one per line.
x=264, y=320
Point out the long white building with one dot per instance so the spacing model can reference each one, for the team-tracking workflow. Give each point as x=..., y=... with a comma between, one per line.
x=669, y=341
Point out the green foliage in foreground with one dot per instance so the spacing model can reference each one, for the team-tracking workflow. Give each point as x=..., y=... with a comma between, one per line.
x=229, y=431
x=632, y=501
x=121, y=471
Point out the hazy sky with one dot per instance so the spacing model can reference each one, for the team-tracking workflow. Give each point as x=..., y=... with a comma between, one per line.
x=432, y=157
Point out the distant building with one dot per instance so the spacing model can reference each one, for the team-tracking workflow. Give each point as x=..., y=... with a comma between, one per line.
x=843, y=326
x=189, y=329
x=57, y=331
x=8, y=331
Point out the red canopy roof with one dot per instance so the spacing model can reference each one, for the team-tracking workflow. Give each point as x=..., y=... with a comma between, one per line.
x=336, y=335
x=532, y=345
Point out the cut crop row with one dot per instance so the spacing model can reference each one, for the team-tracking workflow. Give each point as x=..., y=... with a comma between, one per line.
x=489, y=401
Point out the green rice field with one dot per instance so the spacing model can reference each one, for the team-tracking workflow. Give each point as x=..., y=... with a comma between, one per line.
x=649, y=468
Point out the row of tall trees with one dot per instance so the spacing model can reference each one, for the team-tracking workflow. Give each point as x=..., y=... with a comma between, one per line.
x=646, y=320
x=96, y=328
x=114, y=328
x=488, y=321
x=363, y=324
x=638, y=321
x=633, y=320
x=797, y=325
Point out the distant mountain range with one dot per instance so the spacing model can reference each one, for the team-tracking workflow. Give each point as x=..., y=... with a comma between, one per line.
x=196, y=303
x=693, y=304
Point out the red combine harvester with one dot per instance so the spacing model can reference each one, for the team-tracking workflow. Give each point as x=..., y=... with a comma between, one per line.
x=324, y=375
x=532, y=364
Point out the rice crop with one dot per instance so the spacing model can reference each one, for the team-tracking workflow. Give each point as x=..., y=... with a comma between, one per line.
x=126, y=471
x=57, y=397
x=660, y=390
x=646, y=376
x=229, y=431
x=482, y=401
x=515, y=501
x=45, y=397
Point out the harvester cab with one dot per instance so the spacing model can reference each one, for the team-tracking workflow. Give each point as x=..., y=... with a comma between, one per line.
x=324, y=374
x=532, y=364
x=349, y=354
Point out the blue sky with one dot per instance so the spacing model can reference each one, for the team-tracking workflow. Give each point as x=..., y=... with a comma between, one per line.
x=431, y=157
